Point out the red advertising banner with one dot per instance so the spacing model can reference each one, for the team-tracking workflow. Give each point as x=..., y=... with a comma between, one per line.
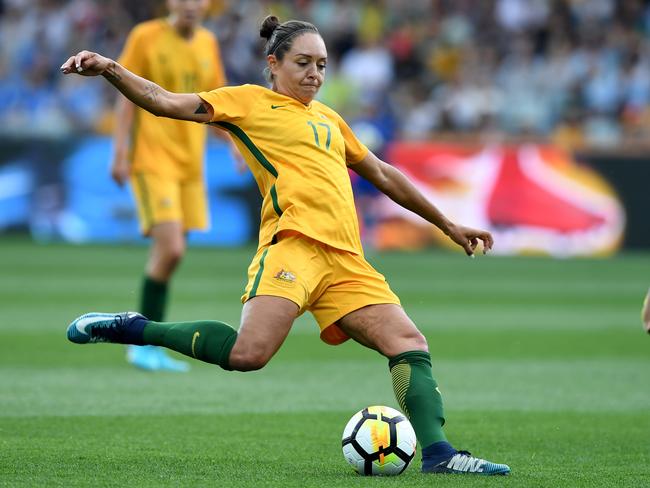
x=535, y=199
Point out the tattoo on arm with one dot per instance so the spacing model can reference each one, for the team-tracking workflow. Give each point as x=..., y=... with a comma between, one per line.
x=145, y=96
x=151, y=92
x=110, y=73
x=201, y=109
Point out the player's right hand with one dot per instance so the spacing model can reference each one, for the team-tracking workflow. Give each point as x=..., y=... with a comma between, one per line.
x=85, y=63
x=120, y=171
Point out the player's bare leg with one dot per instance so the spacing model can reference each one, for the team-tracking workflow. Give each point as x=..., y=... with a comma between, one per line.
x=645, y=313
x=387, y=329
x=167, y=251
x=265, y=324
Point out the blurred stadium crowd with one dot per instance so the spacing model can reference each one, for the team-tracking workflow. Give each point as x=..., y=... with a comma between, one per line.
x=575, y=71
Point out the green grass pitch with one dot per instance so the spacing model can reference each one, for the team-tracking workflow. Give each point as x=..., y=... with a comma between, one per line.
x=542, y=363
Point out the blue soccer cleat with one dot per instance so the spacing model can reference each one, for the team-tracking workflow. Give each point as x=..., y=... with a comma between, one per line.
x=120, y=328
x=462, y=462
x=153, y=358
x=143, y=357
x=167, y=363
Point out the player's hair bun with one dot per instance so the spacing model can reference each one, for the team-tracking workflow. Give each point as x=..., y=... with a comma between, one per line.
x=269, y=24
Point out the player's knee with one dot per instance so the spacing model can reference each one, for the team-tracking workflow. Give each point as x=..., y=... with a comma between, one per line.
x=172, y=256
x=176, y=253
x=415, y=341
x=419, y=341
x=248, y=361
x=411, y=340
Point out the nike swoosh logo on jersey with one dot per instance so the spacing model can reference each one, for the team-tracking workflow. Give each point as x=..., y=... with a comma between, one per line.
x=277, y=106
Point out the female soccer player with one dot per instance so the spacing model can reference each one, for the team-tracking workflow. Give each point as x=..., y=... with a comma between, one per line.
x=309, y=255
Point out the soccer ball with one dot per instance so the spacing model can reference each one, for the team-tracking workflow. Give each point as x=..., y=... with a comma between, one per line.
x=379, y=441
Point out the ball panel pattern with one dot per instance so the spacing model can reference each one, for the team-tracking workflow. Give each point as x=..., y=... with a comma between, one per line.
x=379, y=441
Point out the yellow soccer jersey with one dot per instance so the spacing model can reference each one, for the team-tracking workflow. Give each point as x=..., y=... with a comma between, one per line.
x=298, y=156
x=155, y=50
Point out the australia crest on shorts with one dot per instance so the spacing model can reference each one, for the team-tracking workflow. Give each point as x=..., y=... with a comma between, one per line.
x=285, y=276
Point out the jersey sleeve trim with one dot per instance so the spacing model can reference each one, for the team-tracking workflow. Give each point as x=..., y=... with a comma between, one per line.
x=357, y=161
x=242, y=136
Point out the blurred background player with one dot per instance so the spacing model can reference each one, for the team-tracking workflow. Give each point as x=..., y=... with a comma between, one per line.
x=163, y=158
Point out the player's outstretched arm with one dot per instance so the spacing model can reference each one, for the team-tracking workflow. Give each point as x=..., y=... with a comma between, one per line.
x=393, y=183
x=142, y=92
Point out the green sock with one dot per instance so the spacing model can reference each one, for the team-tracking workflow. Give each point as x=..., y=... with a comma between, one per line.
x=418, y=395
x=207, y=340
x=153, y=299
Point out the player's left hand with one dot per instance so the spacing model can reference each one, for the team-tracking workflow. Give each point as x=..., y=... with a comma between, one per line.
x=468, y=238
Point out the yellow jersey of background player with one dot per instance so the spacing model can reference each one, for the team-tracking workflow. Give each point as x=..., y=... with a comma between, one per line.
x=170, y=149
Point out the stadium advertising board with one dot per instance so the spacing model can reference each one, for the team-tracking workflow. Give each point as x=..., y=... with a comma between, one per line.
x=534, y=198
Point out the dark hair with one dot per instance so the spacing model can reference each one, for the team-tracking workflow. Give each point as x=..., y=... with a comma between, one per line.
x=279, y=36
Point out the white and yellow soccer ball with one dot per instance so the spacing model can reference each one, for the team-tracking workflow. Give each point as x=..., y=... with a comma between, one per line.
x=379, y=441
